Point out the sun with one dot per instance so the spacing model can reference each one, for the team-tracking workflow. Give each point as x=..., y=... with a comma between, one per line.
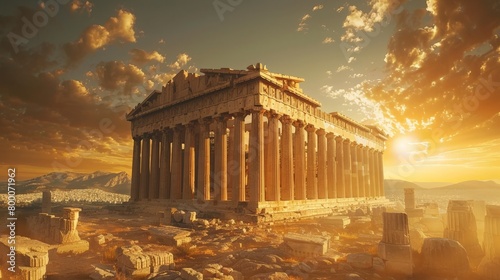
x=404, y=145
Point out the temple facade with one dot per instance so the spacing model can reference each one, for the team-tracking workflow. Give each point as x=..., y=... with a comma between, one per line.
x=250, y=141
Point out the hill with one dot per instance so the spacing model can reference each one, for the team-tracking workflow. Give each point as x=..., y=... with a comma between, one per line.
x=473, y=185
x=110, y=182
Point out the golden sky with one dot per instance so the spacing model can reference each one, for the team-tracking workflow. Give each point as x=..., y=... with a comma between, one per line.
x=427, y=72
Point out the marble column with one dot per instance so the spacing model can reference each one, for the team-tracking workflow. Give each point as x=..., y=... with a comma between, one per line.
x=409, y=198
x=188, y=170
x=373, y=174
x=339, y=158
x=322, y=159
x=154, y=181
x=256, y=158
x=136, y=170
x=347, y=168
x=299, y=156
x=312, y=185
x=220, y=171
x=396, y=229
x=165, y=163
x=376, y=163
x=273, y=161
x=331, y=166
x=287, y=184
x=366, y=162
x=203, y=168
x=238, y=173
x=144, y=189
x=354, y=169
x=381, y=173
x=361, y=171
x=175, y=186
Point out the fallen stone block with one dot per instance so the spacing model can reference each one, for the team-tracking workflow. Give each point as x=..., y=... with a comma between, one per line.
x=103, y=272
x=77, y=247
x=132, y=257
x=360, y=260
x=32, y=273
x=270, y=276
x=337, y=221
x=191, y=274
x=189, y=217
x=306, y=245
x=171, y=235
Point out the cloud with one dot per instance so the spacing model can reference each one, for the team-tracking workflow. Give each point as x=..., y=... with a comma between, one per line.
x=317, y=7
x=81, y=5
x=119, y=28
x=118, y=76
x=343, y=68
x=182, y=59
x=328, y=40
x=302, y=24
x=357, y=75
x=140, y=57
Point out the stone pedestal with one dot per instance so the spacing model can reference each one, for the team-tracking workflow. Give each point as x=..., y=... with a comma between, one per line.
x=395, y=247
x=461, y=226
x=46, y=202
x=490, y=264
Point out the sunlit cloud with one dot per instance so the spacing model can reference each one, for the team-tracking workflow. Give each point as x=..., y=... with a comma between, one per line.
x=95, y=37
x=328, y=40
x=302, y=24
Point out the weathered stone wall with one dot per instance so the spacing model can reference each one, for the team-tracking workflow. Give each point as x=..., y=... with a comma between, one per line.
x=55, y=230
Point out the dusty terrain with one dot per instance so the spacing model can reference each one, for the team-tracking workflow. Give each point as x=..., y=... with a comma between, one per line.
x=248, y=248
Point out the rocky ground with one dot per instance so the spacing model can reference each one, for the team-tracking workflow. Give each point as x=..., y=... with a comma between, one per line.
x=222, y=249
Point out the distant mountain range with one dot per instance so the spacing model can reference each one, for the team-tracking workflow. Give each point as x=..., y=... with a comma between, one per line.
x=120, y=183
x=488, y=191
x=392, y=185
x=111, y=182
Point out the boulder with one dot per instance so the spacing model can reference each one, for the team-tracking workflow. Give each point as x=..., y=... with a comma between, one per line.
x=360, y=260
x=444, y=257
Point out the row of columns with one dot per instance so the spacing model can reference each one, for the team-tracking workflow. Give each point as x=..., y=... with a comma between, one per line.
x=177, y=163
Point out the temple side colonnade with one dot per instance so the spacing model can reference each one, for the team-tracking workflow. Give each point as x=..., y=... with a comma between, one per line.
x=249, y=137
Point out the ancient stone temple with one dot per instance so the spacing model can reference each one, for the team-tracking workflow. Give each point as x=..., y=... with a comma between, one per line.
x=250, y=141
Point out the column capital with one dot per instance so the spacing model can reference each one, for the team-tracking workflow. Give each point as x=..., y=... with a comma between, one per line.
x=320, y=131
x=286, y=119
x=205, y=120
x=354, y=143
x=347, y=140
x=272, y=114
x=222, y=117
x=339, y=139
x=298, y=123
x=257, y=110
x=240, y=115
x=146, y=136
x=330, y=135
x=310, y=128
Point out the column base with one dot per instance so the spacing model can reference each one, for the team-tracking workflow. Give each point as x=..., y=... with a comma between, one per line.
x=258, y=212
